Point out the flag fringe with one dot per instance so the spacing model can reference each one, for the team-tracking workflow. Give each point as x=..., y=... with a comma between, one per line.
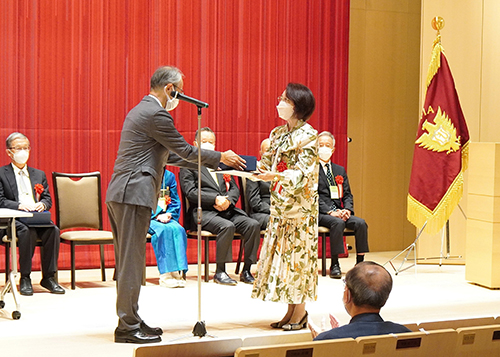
x=465, y=156
x=418, y=214
x=435, y=62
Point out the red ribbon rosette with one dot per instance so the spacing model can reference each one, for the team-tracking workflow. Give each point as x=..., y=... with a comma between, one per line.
x=282, y=166
x=168, y=200
x=340, y=180
x=227, y=179
x=38, y=189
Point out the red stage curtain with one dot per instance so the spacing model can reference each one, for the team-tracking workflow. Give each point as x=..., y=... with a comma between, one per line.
x=72, y=69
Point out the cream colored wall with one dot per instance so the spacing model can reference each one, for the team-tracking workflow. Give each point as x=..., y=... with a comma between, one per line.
x=470, y=39
x=384, y=65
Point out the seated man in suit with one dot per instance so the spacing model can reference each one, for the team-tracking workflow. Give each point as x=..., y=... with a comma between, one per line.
x=25, y=188
x=366, y=290
x=336, y=208
x=219, y=194
x=259, y=195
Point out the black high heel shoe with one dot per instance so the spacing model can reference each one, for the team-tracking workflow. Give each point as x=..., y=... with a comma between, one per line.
x=279, y=324
x=293, y=327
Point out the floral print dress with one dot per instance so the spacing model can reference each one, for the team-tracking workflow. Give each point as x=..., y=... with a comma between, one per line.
x=287, y=270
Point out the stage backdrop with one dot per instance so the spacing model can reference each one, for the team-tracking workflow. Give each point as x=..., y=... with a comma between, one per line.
x=71, y=70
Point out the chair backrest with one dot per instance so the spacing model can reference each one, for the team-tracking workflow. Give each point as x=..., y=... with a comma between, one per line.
x=477, y=341
x=204, y=348
x=410, y=344
x=280, y=338
x=340, y=347
x=454, y=324
x=78, y=200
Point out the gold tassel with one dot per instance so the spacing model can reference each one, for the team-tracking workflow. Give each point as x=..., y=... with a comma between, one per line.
x=435, y=62
x=417, y=213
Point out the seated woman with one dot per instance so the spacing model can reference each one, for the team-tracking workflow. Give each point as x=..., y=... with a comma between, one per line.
x=168, y=237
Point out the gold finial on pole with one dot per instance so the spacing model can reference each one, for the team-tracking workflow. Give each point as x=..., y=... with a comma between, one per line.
x=437, y=23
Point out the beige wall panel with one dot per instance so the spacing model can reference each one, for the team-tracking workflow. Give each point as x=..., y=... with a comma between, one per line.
x=383, y=107
x=490, y=90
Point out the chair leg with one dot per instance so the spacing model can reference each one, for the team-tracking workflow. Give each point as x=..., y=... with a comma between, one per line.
x=323, y=254
x=240, y=256
x=103, y=264
x=7, y=261
x=73, y=266
x=206, y=259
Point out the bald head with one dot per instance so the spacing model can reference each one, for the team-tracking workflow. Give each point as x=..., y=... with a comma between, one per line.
x=370, y=284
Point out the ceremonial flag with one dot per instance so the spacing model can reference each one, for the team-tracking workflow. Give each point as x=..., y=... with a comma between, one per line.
x=441, y=149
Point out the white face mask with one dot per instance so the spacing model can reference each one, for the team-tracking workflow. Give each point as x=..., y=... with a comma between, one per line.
x=325, y=153
x=172, y=103
x=285, y=110
x=207, y=146
x=21, y=157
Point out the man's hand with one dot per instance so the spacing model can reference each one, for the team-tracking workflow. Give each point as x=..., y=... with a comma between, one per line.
x=164, y=218
x=315, y=330
x=230, y=158
x=221, y=203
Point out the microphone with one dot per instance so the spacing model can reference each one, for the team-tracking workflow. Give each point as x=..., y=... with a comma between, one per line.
x=185, y=98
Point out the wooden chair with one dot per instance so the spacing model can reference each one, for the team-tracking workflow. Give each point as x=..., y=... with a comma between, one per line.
x=455, y=324
x=78, y=205
x=409, y=344
x=202, y=348
x=481, y=341
x=340, y=347
x=323, y=232
x=206, y=236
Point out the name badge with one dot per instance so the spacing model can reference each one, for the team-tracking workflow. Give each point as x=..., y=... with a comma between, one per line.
x=334, y=192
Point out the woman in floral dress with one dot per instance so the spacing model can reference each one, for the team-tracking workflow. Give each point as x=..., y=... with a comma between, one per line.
x=288, y=264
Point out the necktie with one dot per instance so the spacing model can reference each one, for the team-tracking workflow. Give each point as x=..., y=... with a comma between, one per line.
x=329, y=174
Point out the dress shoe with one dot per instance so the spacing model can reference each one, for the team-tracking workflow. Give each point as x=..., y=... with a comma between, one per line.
x=51, y=285
x=25, y=287
x=293, y=327
x=224, y=279
x=151, y=330
x=135, y=336
x=247, y=277
x=335, y=272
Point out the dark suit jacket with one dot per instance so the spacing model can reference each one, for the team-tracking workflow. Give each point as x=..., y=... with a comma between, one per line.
x=363, y=325
x=326, y=204
x=149, y=141
x=9, y=195
x=209, y=190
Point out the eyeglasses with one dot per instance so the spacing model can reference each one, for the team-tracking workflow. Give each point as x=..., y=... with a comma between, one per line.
x=178, y=89
x=19, y=149
x=285, y=99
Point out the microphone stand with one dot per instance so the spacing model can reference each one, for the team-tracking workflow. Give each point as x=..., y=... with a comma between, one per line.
x=199, y=329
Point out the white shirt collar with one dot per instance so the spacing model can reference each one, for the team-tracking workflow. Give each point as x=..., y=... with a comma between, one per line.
x=152, y=96
x=17, y=169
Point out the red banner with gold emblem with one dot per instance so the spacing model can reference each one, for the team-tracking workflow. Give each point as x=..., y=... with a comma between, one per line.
x=441, y=149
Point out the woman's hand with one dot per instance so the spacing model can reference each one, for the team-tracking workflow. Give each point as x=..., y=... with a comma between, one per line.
x=164, y=218
x=265, y=175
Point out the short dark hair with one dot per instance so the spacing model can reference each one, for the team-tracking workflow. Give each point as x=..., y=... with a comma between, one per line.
x=302, y=98
x=369, y=283
x=207, y=129
x=165, y=75
x=14, y=136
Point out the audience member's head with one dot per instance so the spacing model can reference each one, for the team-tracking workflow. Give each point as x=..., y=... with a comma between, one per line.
x=18, y=149
x=326, y=142
x=302, y=100
x=367, y=288
x=264, y=146
x=207, y=138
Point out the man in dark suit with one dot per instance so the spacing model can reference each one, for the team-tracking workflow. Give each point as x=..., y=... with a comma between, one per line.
x=336, y=208
x=219, y=195
x=367, y=288
x=25, y=188
x=149, y=141
x=259, y=195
